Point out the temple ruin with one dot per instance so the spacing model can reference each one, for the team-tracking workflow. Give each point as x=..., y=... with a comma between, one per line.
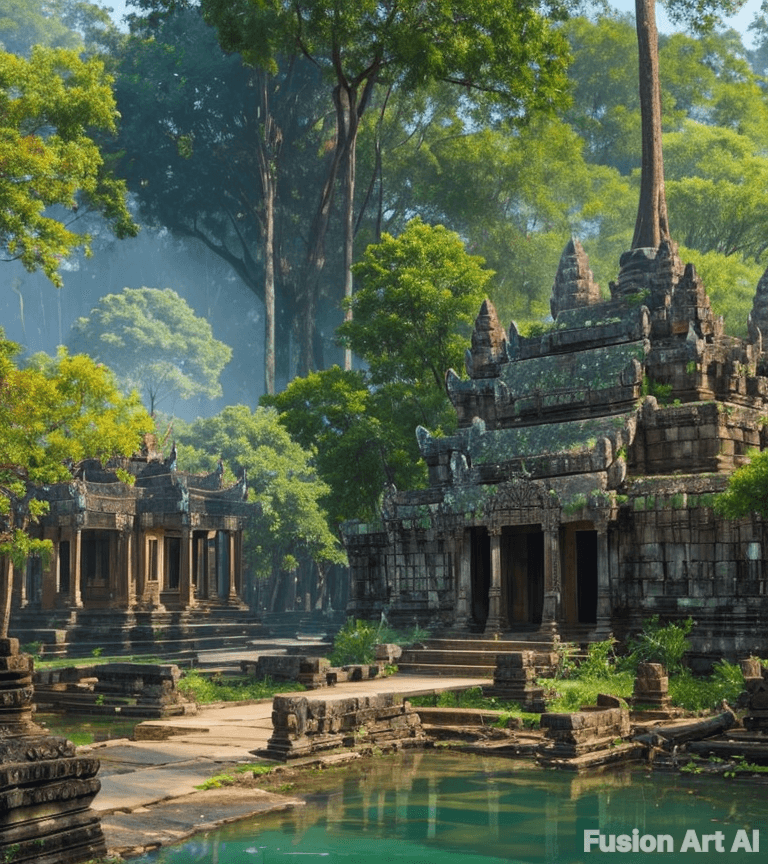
x=576, y=497
x=156, y=565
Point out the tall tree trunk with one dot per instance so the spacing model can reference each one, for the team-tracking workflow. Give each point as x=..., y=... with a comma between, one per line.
x=269, y=145
x=6, y=565
x=652, y=225
x=349, y=207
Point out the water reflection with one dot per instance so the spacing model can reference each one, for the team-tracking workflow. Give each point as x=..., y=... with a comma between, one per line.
x=425, y=806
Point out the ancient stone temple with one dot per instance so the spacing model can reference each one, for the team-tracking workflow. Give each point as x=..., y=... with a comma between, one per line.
x=133, y=560
x=575, y=498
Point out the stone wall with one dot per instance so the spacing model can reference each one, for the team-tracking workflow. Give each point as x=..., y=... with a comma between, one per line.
x=306, y=727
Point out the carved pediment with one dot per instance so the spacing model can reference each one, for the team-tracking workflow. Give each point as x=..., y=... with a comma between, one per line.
x=519, y=493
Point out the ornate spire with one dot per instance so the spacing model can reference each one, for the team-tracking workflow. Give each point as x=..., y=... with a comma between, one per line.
x=574, y=285
x=489, y=344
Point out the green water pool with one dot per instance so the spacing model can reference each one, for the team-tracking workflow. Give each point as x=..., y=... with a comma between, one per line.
x=427, y=807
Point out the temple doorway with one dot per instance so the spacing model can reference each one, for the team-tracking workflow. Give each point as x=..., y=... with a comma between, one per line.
x=522, y=573
x=579, y=564
x=480, y=568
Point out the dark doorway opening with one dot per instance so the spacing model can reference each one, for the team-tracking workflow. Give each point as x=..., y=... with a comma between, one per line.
x=481, y=575
x=522, y=569
x=586, y=576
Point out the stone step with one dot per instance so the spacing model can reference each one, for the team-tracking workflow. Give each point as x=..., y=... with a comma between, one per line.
x=441, y=670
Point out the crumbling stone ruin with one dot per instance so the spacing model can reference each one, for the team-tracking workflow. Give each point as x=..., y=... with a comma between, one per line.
x=651, y=686
x=593, y=730
x=129, y=689
x=576, y=497
x=46, y=790
x=306, y=727
x=514, y=680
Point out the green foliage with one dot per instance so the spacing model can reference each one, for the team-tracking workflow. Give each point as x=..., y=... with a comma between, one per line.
x=417, y=297
x=578, y=691
x=661, y=643
x=356, y=640
x=747, y=490
x=227, y=778
x=156, y=342
x=204, y=690
x=53, y=414
x=49, y=106
x=281, y=479
x=600, y=662
x=705, y=694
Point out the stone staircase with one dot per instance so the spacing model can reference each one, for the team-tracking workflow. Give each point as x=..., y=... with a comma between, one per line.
x=475, y=656
x=93, y=633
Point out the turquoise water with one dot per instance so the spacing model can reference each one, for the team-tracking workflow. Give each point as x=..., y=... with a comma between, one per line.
x=429, y=807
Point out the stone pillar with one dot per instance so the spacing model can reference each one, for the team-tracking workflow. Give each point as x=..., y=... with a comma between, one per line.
x=130, y=569
x=462, y=575
x=51, y=579
x=232, y=565
x=603, y=629
x=551, y=610
x=497, y=618
x=186, y=591
x=75, y=596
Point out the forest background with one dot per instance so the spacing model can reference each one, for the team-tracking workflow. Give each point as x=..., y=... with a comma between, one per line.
x=204, y=134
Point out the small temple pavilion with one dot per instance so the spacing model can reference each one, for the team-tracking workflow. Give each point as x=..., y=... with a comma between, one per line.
x=167, y=544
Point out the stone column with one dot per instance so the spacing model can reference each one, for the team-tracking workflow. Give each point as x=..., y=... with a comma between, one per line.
x=51, y=578
x=603, y=629
x=551, y=610
x=461, y=575
x=75, y=596
x=130, y=569
x=497, y=619
x=232, y=564
x=186, y=592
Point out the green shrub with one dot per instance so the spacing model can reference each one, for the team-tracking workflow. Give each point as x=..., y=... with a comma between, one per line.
x=661, y=643
x=356, y=640
x=355, y=643
x=704, y=694
x=204, y=690
x=600, y=662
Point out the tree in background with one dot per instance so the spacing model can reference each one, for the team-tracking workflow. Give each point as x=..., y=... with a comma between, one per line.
x=53, y=414
x=223, y=154
x=291, y=531
x=652, y=224
x=53, y=24
x=156, y=342
x=48, y=106
x=507, y=50
x=417, y=297
x=412, y=313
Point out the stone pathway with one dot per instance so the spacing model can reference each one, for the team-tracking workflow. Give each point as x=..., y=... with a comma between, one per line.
x=148, y=796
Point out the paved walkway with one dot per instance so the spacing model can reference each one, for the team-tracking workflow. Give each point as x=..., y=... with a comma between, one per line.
x=174, y=756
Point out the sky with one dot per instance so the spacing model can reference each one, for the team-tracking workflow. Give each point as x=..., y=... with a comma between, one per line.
x=739, y=22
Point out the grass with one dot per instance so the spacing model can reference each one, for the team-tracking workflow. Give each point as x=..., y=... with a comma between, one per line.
x=227, y=778
x=204, y=690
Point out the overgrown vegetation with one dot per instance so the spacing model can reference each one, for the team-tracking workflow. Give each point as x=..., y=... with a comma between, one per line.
x=356, y=640
x=204, y=690
x=661, y=643
x=229, y=778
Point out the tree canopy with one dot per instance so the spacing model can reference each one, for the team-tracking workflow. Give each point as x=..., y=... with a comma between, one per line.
x=53, y=414
x=281, y=478
x=747, y=490
x=48, y=106
x=156, y=342
x=417, y=298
